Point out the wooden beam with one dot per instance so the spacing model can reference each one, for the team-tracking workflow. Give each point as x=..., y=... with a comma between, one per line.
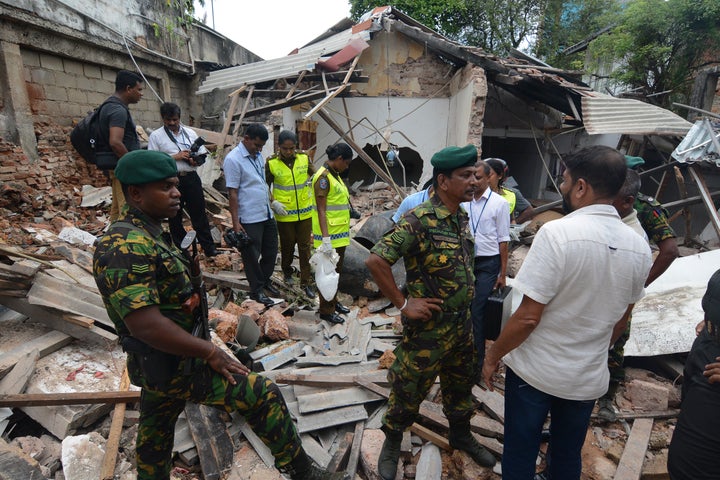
x=107, y=470
x=430, y=436
x=361, y=153
x=342, y=453
x=75, y=398
x=354, y=456
x=238, y=122
x=212, y=440
x=707, y=199
x=631, y=462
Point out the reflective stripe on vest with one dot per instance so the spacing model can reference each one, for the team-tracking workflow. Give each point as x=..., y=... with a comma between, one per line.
x=337, y=212
x=291, y=187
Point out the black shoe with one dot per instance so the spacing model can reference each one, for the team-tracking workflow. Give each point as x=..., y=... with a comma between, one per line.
x=272, y=290
x=262, y=298
x=332, y=317
x=309, y=291
x=340, y=308
x=210, y=252
x=288, y=279
x=389, y=455
x=303, y=468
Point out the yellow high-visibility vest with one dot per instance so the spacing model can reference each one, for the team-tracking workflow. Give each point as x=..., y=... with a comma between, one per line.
x=291, y=188
x=337, y=212
x=509, y=197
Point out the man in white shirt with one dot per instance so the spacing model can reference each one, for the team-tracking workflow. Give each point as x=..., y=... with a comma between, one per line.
x=580, y=280
x=252, y=211
x=176, y=140
x=490, y=226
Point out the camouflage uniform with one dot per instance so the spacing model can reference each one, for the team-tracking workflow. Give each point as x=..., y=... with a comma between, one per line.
x=654, y=220
x=139, y=267
x=437, y=247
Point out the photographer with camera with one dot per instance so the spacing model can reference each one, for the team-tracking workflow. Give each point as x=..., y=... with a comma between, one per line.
x=184, y=145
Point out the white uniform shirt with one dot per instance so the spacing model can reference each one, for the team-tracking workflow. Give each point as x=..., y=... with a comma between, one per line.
x=489, y=222
x=159, y=140
x=586, y=268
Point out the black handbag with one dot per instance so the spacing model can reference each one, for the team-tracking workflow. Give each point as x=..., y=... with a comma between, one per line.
x=497, y=311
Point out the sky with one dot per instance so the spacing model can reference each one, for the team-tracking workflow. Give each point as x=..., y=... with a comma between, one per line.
x=272, y=28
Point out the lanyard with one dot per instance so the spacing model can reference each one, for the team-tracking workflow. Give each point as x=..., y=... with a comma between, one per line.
x=472, y=219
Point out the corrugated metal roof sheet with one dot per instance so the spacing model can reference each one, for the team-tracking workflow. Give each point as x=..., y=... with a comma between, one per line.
x=697, y=146
x=606, y=114
x=305, y=59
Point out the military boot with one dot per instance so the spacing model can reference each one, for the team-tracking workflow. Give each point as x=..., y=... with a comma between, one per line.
x=303, y=468
x=461, y=439
x=390, y=454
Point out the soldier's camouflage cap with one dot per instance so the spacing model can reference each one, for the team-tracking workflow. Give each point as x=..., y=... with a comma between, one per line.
x=145, y=166
x=450, y=158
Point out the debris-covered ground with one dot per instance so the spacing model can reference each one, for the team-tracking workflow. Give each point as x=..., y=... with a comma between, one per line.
x=57, y=343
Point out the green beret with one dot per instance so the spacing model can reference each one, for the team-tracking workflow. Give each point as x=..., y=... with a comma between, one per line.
x=450, y=158
x=633, y=162
x=145, y=166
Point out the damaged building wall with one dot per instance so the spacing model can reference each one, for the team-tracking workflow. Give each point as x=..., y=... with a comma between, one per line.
x=413, y=99
x=59, y=59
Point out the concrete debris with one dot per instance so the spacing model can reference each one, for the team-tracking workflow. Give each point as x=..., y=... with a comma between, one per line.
x=333, y=377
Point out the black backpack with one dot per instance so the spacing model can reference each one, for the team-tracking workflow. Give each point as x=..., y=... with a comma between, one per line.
x=85, y=136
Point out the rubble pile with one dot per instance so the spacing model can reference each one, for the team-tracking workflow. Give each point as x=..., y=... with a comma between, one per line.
x=56, y=342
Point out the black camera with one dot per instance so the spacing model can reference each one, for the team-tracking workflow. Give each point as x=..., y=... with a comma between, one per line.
x=239, y=240
x=354, y=214
x=198, y=158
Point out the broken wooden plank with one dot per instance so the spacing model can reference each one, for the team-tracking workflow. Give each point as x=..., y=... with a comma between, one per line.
x=107, y=470
x=74, y=398
x=79, y=320
x=433, y=413
x=45, y=345
x=316, y=402
x=53, y=319
x=430, y=436
x=330, y=381
x=354, y=456
x=16, y=381
x=655, y=414
x=342, y=453
x=631, y=462
x=213, y=443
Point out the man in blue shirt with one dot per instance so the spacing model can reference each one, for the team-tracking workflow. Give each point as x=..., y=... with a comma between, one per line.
x=250, y=207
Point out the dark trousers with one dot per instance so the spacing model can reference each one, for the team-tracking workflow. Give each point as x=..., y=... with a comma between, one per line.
x=192, y=200
x=292, y=233
x=526, y=409
x=259, y=258
x=486, y=274
x=328, y=307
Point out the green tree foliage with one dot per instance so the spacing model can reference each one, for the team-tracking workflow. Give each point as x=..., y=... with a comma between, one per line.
x=566, y=23
x=659, y=44
x=492, y=25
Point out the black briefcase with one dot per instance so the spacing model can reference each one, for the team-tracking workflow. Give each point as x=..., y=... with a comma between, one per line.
x=497, y=311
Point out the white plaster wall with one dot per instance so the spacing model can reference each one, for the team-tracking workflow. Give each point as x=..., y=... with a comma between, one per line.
x=461, y=106
x=426, y=122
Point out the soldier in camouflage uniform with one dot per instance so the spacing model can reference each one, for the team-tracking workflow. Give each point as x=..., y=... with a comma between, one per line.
x=437, y=247
x=654, y=221
x=144, y=280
